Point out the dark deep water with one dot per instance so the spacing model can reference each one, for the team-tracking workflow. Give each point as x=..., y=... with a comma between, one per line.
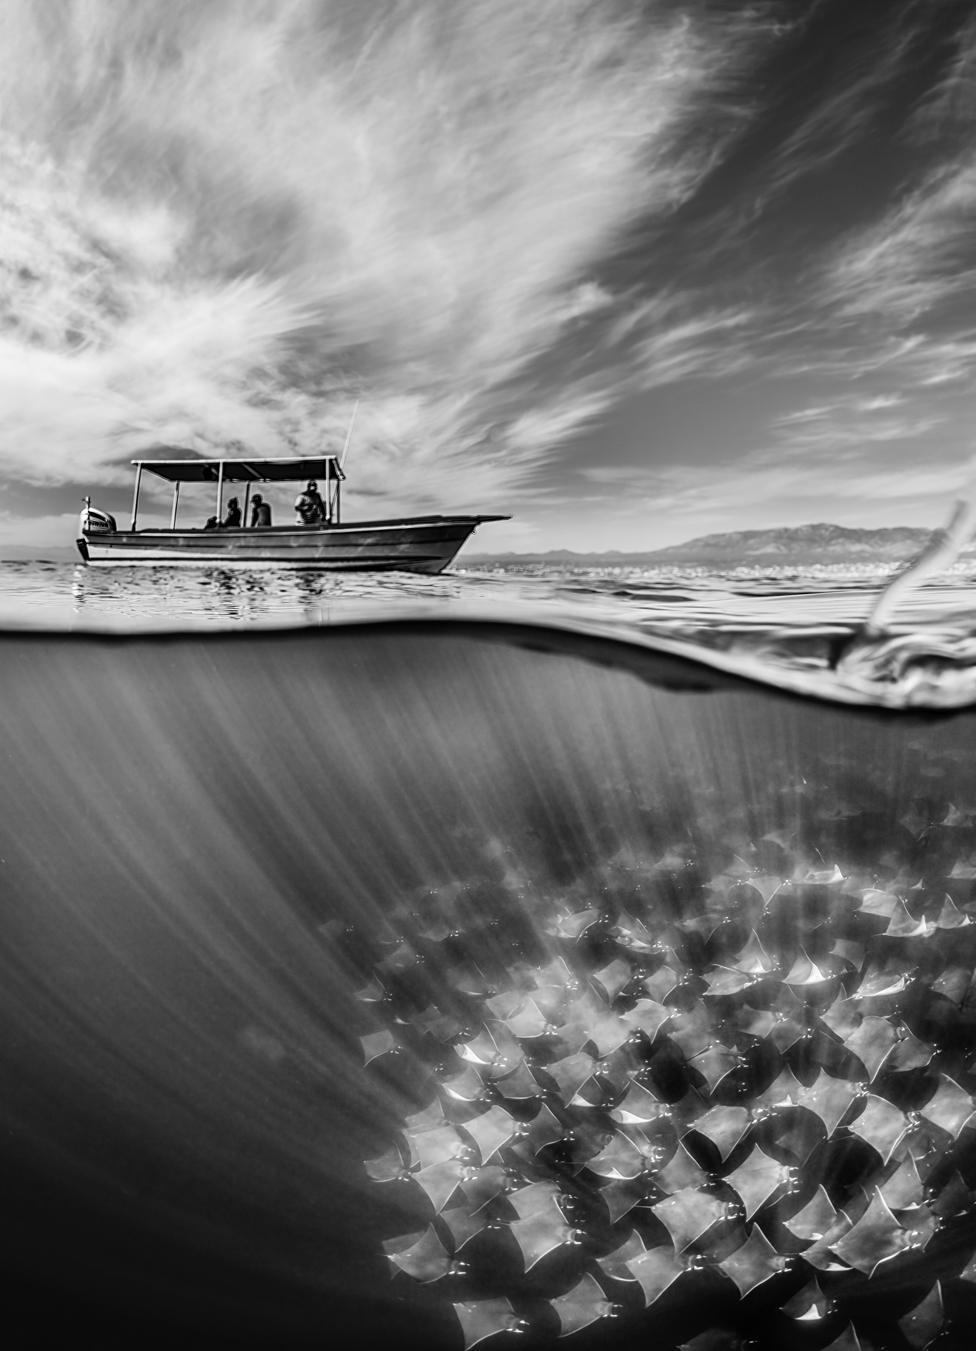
x=567, y=899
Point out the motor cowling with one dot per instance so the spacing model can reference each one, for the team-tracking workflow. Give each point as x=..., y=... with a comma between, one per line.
x=95, y=522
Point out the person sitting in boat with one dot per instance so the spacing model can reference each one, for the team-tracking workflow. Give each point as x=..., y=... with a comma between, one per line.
x=212, y=523
x=309, y=505
x=233, y=517
x=260, y=512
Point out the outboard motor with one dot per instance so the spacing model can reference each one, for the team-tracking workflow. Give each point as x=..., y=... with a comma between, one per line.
x=95, y=522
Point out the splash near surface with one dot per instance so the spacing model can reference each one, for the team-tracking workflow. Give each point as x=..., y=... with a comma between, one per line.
x=427, y=983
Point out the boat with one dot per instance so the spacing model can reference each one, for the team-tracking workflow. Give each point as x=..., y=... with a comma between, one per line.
x=424, y=544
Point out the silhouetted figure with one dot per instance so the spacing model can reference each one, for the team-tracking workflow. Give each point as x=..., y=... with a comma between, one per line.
x=212, y=523
x=233, y=516
x=310, y=507
x=260, y=512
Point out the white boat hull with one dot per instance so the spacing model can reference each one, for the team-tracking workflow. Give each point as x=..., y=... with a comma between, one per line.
x=419, y=544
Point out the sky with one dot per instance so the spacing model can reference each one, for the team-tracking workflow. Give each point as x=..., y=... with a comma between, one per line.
x=631, y=271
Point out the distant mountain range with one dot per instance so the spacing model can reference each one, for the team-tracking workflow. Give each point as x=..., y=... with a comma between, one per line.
x=799, y=545
x=787, y=546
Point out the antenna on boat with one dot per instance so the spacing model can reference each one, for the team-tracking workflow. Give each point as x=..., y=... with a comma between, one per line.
x=342, y=457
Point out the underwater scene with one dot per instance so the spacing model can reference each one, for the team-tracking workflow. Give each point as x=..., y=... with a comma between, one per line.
x=445, y=983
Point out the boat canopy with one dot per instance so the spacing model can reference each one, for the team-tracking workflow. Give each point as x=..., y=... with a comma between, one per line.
x=281, y=470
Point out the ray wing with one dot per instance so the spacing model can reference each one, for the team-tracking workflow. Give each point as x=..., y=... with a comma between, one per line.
x=908, y=1052
x=950, y=1107
x=614, y=1264
x=621, y=1197
x=954, y=1199
x=691, y=1030
x=843, y=1017
x=436, y=1024
x=490, y=1131
x=786, y=1032
x=607, y=1032
x=425, y=1259
x=518, y=1084
x=540, y=1233
x=612, y=978
x=680, y=1171
x=882, y=982
x=903, y=924
x=387, y=1167
x=480, y=1050
x=620, y=1160
x=881, y=1125
x=634, y=934
x=527, y=1021
x=798, y=1133
x=463, y=1225
x=752, y=959
x=808, y=1305
x=805, y=972
x=725, y=980
x=571, y=1073
x=544, y=1129
x=829, y=1099
x=481, y=1185
x=903, y=1189
x=427, y=1118
x=687, y=1214
x=439, y=1182
x=647, y=1016
x=874, y=901
x=724, y=1126
x=953, y=983
x=469, y=979
x=785, y=1091
x=376, y=1044
x=714, y=1064
x=468, y=1086
x=871, y=1043
x=434, y=1145
x=483, y=1318
x=575, y=925
x=581, y=1306
x=815, y=1219
x=757, y=1179
x=655, y=1271
x=533, y=1199
x=873, y=1238
x=637, y=1107
x=664, y=981
x=754, y=1022
x=849, y=951
x=951, y=917
x=752, y=1264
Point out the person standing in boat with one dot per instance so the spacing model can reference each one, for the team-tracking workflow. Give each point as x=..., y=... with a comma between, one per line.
x=233, y=517
x=310, y=507
x=260, y=512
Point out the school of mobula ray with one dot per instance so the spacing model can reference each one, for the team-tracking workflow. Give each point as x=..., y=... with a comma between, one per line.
x=739, y=1062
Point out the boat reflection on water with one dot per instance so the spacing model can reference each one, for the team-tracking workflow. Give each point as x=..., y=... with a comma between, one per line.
x=433, y=982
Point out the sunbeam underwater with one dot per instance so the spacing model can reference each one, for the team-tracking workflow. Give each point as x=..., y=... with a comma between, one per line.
x=437, y=982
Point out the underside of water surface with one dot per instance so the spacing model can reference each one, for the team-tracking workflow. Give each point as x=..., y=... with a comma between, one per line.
x=448, y=984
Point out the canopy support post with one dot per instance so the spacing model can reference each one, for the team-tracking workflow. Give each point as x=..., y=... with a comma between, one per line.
x=135, y=496
x=247, y=498
x=220, y=491
x=176, y=503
